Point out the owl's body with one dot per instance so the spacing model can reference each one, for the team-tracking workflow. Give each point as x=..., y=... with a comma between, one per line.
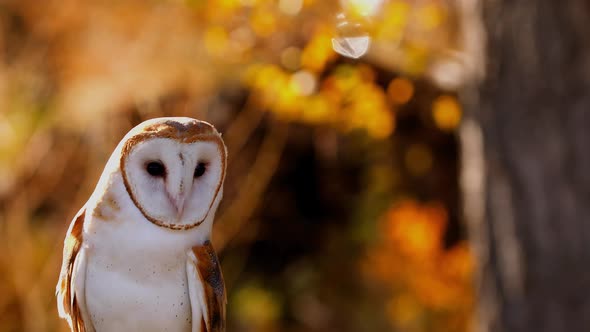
x=135, y=263
x=136, y=276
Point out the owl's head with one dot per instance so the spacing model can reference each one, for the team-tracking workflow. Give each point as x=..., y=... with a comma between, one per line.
x=173, y=170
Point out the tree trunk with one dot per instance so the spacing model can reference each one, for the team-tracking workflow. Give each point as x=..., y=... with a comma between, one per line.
x=533, y=112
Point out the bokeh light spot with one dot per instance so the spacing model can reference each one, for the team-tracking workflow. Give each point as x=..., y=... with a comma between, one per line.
x=263, y=22
x=256, y=307
x=317, y=109
x=291, y=58
x=362, y=7
x=400, y=90
x=304, y=82
x=216, y=40
x=290, y=7
x=318, y=51
x=446, y=112
x=242, y=38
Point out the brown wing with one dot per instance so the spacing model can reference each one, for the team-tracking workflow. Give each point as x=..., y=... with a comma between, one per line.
x=67, y=301
x=208, y=290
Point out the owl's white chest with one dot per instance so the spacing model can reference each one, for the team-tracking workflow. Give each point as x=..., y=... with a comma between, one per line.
x=136, y=277
x=130, y=295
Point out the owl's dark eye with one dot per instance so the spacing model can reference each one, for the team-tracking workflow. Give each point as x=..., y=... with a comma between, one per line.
x=200, y=169
x=155, y=168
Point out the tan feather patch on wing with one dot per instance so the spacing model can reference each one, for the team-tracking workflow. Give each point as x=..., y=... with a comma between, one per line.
x=66, y=299
x=106, y=208
x=213, y=286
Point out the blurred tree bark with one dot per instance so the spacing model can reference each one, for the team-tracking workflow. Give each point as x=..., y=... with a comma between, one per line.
x=532, y=113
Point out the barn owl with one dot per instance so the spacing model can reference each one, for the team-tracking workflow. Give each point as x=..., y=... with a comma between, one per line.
x=138, y=256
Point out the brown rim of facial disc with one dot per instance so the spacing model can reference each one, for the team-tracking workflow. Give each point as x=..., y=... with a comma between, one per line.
x=190, y=132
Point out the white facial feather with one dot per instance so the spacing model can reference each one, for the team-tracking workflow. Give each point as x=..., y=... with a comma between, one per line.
x=177, y=197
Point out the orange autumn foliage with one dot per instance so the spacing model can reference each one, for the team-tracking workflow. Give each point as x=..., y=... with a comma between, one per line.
x=428, y=285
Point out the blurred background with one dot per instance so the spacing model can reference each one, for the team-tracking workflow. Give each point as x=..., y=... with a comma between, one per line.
x=342, y=207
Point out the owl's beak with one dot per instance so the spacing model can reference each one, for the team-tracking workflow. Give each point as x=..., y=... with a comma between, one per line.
x=177, y=202
x=179, y=205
